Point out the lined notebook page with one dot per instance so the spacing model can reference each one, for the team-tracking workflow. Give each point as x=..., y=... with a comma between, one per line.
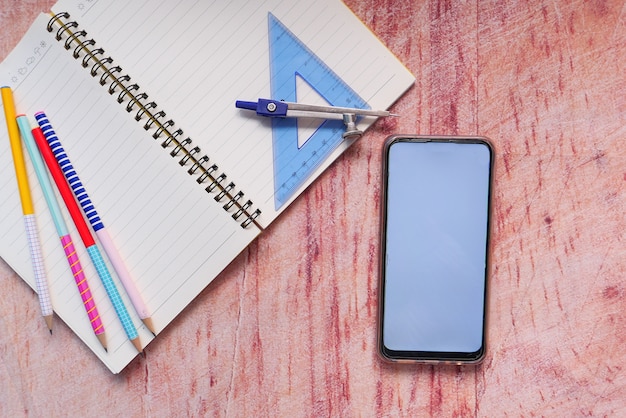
x=173, y=236
x=195, y=59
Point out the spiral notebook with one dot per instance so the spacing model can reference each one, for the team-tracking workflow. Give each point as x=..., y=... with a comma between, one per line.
x=142, y=94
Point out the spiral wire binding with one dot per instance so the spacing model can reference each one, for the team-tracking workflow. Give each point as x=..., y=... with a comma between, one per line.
x=216, y=182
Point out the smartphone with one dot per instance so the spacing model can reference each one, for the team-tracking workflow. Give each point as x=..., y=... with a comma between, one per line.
x=434, y=248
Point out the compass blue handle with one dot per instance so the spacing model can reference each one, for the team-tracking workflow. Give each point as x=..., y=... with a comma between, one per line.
x=241, y=104
x=265, y=107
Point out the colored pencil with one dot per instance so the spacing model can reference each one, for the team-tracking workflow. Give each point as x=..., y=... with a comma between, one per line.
x=28, y=209
x=62, y=231
x=94, y=219
x=87, y=238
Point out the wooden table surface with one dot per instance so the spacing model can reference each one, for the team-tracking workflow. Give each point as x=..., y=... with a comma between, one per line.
x=289, y=328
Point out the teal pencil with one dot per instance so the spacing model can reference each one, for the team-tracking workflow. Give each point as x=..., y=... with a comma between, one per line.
x=28, y=208
x=64, y=235
x=85, y=234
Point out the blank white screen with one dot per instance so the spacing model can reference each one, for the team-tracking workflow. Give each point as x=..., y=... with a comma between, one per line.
x=436, y=235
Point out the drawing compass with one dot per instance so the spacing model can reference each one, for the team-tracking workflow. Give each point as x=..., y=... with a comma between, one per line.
x=279, y=109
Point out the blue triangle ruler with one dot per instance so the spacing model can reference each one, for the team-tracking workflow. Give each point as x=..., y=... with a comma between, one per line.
x=291, y=59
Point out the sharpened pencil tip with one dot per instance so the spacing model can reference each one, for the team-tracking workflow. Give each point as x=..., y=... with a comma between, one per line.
x=149, y=324
x=48, y=319
x=103, y=341
x=137, y=343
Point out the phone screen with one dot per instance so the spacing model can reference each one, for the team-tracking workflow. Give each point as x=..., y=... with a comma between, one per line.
x=434, y=248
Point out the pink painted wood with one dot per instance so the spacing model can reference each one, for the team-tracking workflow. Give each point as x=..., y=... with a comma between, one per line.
x=289, y=328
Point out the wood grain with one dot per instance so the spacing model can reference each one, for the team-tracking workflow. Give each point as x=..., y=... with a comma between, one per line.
x=289, y=328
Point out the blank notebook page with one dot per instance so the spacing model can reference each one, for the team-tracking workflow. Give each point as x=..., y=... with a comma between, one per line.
x=173, y=236
x=194, y=59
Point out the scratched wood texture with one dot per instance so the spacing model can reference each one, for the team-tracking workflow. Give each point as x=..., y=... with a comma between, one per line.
x=289, y=328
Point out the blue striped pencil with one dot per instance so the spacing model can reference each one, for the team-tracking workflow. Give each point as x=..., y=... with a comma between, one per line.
x=94, y=219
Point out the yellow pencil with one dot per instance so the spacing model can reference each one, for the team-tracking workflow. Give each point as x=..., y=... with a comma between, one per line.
x=28, y=208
